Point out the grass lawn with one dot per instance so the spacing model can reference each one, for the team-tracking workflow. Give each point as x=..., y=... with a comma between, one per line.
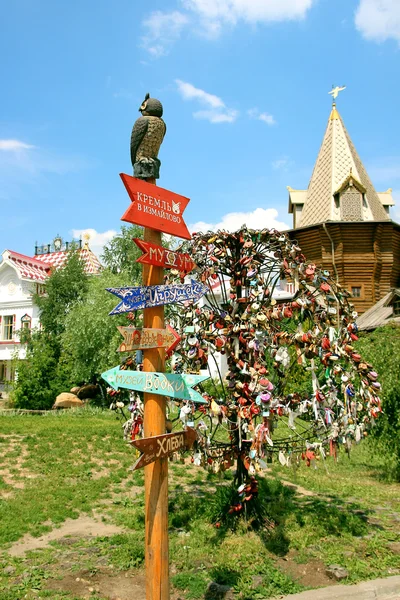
x=72, y=524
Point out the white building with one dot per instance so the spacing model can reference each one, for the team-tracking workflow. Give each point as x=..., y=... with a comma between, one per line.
x=20, y=277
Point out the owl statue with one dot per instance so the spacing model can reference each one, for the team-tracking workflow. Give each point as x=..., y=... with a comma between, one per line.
x=147, y=135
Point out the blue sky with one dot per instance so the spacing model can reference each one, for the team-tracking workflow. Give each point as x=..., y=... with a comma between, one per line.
x=244, y=86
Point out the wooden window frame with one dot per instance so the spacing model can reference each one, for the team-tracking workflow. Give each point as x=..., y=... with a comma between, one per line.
x=8, y=327
x=26, y=322
x=357, y=285
x=40, y=289
x=396, y=301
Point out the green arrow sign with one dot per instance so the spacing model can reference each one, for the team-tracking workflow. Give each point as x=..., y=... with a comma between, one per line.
x=165, y=384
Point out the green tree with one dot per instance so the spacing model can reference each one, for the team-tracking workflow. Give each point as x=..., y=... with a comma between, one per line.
x=91, y=338
x=41, y=376
x=382, y=348
x=37, y=385
x=121, y=253
x=65, y=287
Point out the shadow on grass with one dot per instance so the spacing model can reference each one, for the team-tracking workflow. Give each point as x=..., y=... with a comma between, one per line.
x=224, y=576
x=267, y=514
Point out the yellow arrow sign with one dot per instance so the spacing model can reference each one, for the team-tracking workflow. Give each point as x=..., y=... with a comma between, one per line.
x=142, y=339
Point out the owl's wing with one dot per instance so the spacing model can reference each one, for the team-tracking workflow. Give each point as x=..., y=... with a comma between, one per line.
x=165, y=128
x=138, y=132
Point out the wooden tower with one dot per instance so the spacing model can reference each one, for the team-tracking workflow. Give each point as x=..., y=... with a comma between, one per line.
x=343, y=225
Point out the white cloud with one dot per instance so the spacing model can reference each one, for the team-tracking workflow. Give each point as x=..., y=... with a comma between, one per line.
x=259, y=218
x=162, y=30
x=23, y=165
x=378, y=20
x=228, y=116
x=281, y=164
x=214, y=14
x=254, y=113
x=97, y=240
x=189, y=92
x=209, y=17
x=268, y=119
x=18, y=158
x=124, y=94
x=14, y=145
x=216, y=111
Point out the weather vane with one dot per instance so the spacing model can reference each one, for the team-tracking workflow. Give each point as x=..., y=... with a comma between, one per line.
x=336, y=90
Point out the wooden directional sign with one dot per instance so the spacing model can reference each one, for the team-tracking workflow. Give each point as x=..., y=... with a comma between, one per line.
x=154, y=207
x=164, y=384
x=160, y=446
x=142, y=339
x=162, y=257
x=135, y=298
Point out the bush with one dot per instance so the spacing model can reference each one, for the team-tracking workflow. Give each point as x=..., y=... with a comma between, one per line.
x=37, y=385
x=382, y=349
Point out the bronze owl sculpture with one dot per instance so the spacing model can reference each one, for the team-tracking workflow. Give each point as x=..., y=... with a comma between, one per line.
x=147, y=135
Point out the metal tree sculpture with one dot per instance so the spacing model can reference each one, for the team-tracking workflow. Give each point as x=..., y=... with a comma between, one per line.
x=295, y=386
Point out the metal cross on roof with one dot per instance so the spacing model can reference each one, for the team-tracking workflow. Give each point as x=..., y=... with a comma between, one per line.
x=336, y=90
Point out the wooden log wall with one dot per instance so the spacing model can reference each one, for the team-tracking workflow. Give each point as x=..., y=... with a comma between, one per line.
x=366, y=255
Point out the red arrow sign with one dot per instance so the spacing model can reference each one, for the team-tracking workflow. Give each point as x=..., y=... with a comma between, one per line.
x=159, y=446
x=142, y=339
x=154, y=207
x=162, y=257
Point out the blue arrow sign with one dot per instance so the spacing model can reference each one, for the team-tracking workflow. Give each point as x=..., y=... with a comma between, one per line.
x=134, y=298
x=165, y=384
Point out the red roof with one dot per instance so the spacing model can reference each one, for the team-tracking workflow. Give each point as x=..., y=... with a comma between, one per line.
x=38, y=267
x=29, y=268
x=91, y=263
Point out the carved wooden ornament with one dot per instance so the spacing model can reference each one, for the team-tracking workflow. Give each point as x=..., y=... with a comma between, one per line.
x=160, y=446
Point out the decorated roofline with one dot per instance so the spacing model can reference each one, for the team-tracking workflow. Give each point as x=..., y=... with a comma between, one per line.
x=316, y=225
x=23, y=257
x=37, y=268
x=58, y=245
x=27, y=268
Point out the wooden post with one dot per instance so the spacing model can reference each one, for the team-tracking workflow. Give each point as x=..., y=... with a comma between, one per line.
x=156, y=474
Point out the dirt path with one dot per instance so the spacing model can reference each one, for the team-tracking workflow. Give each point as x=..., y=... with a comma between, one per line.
x=84, y=526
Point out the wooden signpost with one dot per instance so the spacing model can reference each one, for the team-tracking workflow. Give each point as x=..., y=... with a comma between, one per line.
x=166, y=384
x=161, y=446
x=142, y=339
x=157, y=210
x=155, y=207
x=163, y=257
x=135, y=298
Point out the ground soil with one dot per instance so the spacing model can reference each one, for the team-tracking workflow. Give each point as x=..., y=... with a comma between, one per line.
x=119, y=586
x=84, y=526
x=12, y=471
x=105, y=584
x=311, y=574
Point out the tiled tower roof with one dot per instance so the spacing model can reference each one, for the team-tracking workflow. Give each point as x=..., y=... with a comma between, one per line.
x=57, y=259
x=27, y=267
x=38, y=268
x=338, y=165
